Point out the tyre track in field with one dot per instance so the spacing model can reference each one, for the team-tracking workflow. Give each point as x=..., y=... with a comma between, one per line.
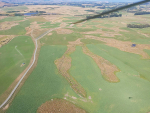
x=36, y=46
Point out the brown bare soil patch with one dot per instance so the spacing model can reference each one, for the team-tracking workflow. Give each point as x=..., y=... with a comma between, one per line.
x=7, y=25
x=6, y=107
x=63, y=65
x=64, y=31
x=59, y=106
x=50, y=34
x=107, y=69
x=5, y=39
x=124, y=46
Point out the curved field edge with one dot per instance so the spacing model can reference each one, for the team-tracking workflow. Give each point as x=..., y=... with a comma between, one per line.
x=106, y=97
x=44, y=83
x=132, y=61
x=59, y=105
x=12, y=56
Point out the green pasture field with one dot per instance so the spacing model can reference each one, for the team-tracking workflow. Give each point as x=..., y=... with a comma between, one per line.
x=17, y=30
x=11, y=60
x=134, y=61
x=44, y=83
x=60, y=39
x=12, y=18
x=91, y=41
x=15, y=8
x=130, y=95
x=38, y=19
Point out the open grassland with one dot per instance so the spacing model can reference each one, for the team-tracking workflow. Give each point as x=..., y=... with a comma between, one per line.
x=60, y=39
x=110, y=97
x=12, y=55
x=142, y=66
x=15, y=8
x=17, y=30
x=38, y=19
x=44, y=84
x=105, y=49
x=15, y=18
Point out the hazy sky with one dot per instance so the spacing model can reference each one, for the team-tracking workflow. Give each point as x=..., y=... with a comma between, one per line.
x=114, y=0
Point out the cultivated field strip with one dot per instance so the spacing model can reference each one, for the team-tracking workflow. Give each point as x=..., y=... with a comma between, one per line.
x=107, y=69
x=63, y=65
x=124, y=46
x=36, y=46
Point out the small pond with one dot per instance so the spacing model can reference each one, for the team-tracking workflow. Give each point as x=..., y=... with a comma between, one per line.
x=30, y=14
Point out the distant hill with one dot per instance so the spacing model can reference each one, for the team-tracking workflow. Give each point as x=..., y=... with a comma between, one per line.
x=23, y=1
x=2, y=4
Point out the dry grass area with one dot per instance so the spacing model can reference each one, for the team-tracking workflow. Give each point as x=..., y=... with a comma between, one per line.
x=4, y=39
x=3, y=3
x=107, y=69
x=63, y=65
x=54, y=18
x=59, y=106
x=65, y=10
x=2, y=17
x=63, y=24
x=7, y=25
x=103, y=33
x=124, y=46
x=36, y=30
x=64, y=31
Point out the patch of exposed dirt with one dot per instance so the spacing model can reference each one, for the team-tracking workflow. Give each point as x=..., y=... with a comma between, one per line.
x=7, y=25
x=107, y=69
x=50, y=34
x=6, y=107
x=5, y=39
x=63, y=65
x=59, y=106
x=124, y=46
x=64, y=31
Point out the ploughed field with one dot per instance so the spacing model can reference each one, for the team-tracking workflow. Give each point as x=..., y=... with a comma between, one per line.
x=98, y=66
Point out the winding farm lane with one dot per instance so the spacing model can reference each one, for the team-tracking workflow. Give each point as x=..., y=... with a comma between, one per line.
x=36, y=46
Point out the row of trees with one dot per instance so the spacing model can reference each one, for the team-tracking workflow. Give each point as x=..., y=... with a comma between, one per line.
x=138, y=25
x=142, y=13
x=108, y=16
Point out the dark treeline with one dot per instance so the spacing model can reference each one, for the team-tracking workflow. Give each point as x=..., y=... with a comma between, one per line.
x=142, y=13
x=108, y=16
x=138, y=25
x=12, y=11
x=37, y=11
